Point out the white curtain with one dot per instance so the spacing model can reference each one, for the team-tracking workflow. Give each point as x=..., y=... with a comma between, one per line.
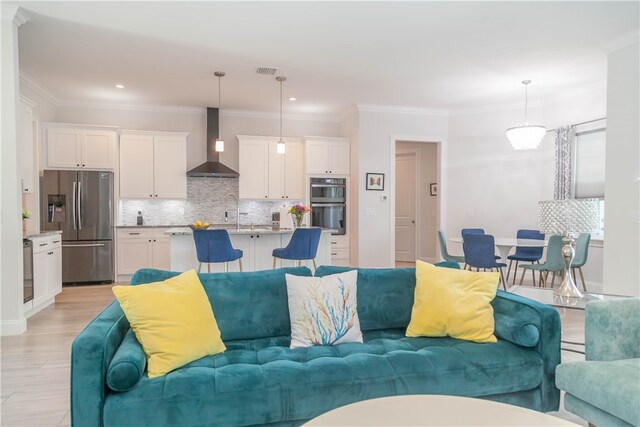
x=563, y=182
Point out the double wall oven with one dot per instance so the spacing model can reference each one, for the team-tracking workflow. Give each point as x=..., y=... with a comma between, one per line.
x=329, y=203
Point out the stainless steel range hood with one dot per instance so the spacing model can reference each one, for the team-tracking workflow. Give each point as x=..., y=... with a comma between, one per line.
x=212, y=168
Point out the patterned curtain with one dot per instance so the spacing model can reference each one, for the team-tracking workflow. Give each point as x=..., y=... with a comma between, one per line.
x=563, y=182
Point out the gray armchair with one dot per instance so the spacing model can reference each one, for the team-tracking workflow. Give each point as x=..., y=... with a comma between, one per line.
x=605, y=389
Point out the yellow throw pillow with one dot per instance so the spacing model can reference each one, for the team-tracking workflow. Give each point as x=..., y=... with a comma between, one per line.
x=172, y=320
x=455, y=303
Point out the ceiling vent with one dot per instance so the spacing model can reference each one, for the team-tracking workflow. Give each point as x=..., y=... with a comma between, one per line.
x=269, y=71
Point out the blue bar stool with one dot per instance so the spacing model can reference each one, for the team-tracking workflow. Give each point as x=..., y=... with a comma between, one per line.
x=215, y=246
x=479, y=253
x=302, y=246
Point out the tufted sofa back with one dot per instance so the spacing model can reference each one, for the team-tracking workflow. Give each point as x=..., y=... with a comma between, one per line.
x=246, y=305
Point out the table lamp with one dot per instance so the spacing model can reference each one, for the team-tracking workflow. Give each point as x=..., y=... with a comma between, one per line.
x=568, y=217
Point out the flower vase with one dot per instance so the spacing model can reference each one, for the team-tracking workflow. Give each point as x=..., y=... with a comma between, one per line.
x=297, y=220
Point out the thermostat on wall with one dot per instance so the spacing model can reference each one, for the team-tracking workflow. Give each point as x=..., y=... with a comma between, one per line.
x=384, y=198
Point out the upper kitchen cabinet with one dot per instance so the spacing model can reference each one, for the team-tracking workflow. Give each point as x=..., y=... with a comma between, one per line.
x=267, y=174
x=78, y=146
x=27, y=143
x=153, y=165
x=327, y=155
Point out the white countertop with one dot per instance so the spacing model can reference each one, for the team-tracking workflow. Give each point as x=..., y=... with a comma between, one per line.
x=43, y=234
x=183, y=231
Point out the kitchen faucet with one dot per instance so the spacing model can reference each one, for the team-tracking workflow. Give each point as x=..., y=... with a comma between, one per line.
x=226, y=212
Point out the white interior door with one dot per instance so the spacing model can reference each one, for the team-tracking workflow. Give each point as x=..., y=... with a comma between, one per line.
x=406, y=181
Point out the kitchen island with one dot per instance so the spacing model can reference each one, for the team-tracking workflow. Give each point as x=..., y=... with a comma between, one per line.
x=257, y=245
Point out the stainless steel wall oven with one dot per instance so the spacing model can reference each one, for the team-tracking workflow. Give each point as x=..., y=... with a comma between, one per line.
x=329, y=203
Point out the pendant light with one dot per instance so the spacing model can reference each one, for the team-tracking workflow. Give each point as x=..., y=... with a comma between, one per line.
x=280, y=147
x=526, y=137
x=219, y=147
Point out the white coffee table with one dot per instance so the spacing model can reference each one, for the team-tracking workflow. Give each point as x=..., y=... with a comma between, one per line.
x=434, y=410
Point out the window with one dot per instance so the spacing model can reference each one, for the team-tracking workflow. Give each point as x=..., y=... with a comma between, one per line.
x=589, y=167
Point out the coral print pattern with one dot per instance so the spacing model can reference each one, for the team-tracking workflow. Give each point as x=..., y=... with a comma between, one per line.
x=323, y=310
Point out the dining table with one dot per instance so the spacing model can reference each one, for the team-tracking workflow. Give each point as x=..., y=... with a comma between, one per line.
x=505, y=244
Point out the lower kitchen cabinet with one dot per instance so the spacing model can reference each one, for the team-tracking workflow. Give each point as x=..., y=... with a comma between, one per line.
x=142, y=248
x=47, y=273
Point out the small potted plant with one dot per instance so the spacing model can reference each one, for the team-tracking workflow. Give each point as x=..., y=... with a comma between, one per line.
x=25, y=216
x=298, y=212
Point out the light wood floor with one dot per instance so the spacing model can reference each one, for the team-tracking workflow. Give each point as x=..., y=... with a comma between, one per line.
x=35, y=366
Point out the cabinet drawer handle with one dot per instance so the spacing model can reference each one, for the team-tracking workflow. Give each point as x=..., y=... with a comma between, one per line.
x=56, y=241
x=334, y=243
x=49, y=253
x=134, y=234
x=43, y=244
x=333, y=253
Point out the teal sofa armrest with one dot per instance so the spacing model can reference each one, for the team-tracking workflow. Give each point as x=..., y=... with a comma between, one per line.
x=612, y=330
x=515, y=318
x=91, y=353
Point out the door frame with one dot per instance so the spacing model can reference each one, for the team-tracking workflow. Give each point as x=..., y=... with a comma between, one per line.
x=441, y=144
x=416, y=199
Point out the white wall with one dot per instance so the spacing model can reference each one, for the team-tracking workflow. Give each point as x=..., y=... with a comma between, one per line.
x=491, y=186
x=428, y=204
x=12, y=319
x=378, y=132
x=622, y=175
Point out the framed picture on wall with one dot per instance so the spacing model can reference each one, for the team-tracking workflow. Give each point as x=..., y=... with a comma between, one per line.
x=433, y=189
x=375, y=181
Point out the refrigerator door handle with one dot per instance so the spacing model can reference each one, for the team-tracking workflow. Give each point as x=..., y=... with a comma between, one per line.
x=73, y=203
x=89, y=245
x=79, y=205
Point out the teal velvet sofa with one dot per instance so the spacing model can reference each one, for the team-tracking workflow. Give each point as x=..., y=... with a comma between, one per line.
x=605, y=388
x=259, y=380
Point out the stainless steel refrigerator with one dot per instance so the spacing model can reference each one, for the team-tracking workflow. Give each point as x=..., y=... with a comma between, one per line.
x=80, y=204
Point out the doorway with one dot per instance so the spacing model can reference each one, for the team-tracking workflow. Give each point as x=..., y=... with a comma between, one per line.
x=416, y=202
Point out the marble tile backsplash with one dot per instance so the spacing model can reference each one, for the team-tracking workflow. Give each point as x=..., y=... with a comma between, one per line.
x=205, y=201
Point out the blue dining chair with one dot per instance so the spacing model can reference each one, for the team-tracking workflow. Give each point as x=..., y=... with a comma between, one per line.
x=580, y=259
x=213, y=246
x=444, y=252
x=479, y=252
x=553, y=263
x=302, y=246
x=532, y=255
x=466, y=231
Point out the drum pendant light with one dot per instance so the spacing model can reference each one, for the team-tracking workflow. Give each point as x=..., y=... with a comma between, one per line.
x=526, y=137
x=280, y=147
x=219, y=147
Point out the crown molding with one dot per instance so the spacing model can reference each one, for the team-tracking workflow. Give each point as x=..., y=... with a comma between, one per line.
x=395, y=109
x=11, y=12
x=622, y=41
x=131, y=107
x=276, y=116
x=350, y=111
x=32, y=84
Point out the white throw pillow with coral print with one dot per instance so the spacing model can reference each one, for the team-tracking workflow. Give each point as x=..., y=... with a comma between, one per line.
x=323, y=310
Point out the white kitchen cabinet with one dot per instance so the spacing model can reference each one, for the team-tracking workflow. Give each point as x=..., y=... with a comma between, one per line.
x=327, y=155
x=263, y=250
x=267, y=174
x=142, y=248
x=77, y=146
x=27, y=142
x=47, y=272
x=153, y=165
x=253, y=168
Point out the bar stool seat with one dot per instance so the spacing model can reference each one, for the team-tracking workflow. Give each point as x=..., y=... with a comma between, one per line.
x=302, y=246
x=214, y=246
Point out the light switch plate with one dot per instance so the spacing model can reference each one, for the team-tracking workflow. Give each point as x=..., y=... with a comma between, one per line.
x=370, y=211
x=384, y=198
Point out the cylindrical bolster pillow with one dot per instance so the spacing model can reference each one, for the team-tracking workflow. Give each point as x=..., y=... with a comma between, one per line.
x=517, y=332
x=128, y=364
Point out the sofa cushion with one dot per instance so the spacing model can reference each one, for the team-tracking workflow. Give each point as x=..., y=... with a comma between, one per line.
x=262, y=295
x=245, y=387
x=612, y=386
x=128, y=364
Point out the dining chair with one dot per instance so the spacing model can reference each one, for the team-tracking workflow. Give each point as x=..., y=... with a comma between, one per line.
x=213, y=246
x=444, y=252
x=466, y=231
x=302, y=246
x=553, y=263
x=580, y=258
x=479, y=252
x=529, y=254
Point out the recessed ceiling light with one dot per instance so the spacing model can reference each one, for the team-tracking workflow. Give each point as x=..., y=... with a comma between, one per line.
x=120, y=86
x=292, y=99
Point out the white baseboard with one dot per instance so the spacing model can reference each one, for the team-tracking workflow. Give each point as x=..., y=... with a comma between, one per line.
x=38, y=308
x=13, y=327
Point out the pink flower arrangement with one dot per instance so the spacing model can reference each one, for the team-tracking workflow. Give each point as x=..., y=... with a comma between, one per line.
x=298, y=211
